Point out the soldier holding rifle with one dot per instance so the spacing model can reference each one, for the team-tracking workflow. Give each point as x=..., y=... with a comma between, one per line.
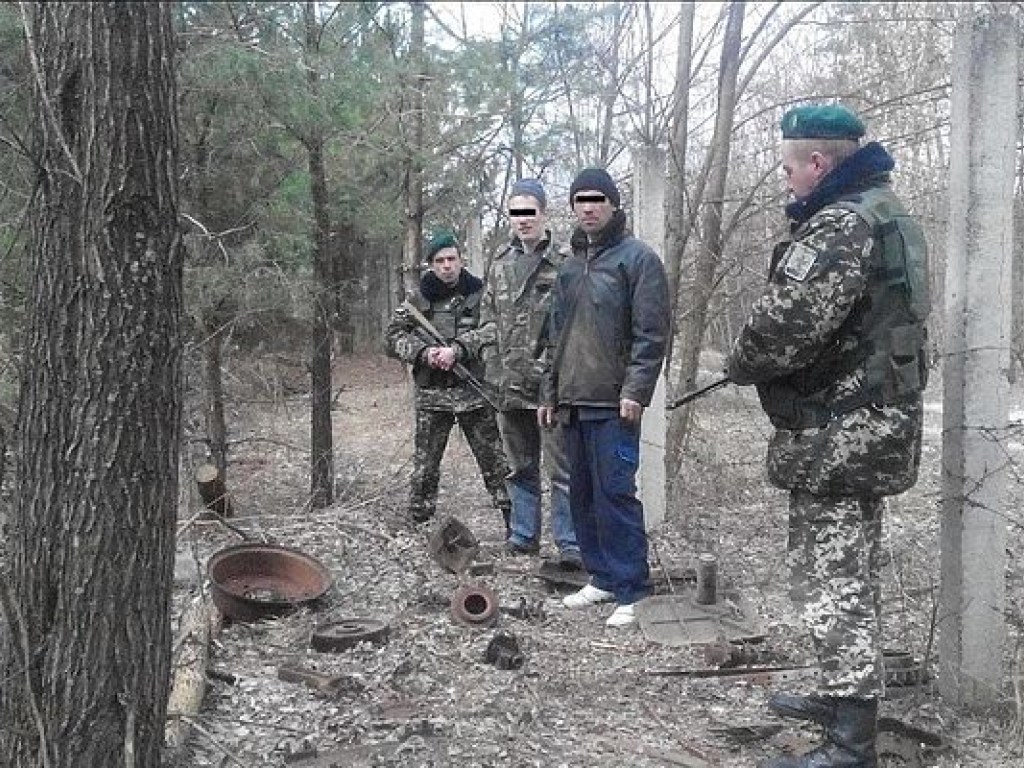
x=425, y=332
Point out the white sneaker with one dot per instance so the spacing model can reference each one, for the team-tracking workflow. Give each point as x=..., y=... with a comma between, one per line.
x=589, y=595
x=622, y=616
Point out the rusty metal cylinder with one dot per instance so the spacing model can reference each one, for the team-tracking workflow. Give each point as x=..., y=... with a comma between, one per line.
x=707, y=579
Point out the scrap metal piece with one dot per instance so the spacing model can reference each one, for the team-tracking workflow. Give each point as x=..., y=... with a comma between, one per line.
x=503, y=651
x=751, y=651
x=319, y=681
x=453, y=546
x=749, y=733
x=485, y=568
x=256, y=581
x=345, y=633
x=556, y=574
x=678, y=620
x=754, y=674
x=707, y=579
x=902, y=669
x=524, y=610
x=474, y=606
x=914, y=746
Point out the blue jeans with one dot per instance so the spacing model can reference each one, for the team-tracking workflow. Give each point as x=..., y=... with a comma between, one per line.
x=603, y=457
x=524, y=443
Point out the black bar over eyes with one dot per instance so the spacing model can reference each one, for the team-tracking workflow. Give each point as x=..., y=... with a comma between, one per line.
x=522, y=212
x=590, y=198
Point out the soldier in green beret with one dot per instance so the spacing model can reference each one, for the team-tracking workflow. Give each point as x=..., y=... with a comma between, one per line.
x=836, y=346
x=449, y=297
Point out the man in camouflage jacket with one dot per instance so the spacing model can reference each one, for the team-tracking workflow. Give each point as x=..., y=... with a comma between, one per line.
x=513, y=317
x=836, y=347
x=449, y=298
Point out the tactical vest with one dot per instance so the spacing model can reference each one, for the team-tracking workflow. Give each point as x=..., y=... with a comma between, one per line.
x=452, y=316
x=884, y=338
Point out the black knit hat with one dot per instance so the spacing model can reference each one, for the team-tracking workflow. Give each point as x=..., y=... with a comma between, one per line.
x=596, y=179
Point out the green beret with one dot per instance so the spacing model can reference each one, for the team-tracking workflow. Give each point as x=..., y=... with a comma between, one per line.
x=821, y=121
x=441, y=239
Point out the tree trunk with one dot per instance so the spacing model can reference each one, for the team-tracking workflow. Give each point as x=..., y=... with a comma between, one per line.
x=99, y=425
x=611, y=90
x=676, y=214
x=321, y=436
x=213, y=490
x=697, y=287
x=216, y=425
x=413, y=245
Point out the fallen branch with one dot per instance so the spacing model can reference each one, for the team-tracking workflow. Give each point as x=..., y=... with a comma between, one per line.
x=198, y=625
x=228, y=754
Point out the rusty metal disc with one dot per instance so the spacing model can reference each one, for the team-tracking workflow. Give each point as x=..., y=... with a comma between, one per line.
x=343, y=634
x=255, y=581
x=475, y=606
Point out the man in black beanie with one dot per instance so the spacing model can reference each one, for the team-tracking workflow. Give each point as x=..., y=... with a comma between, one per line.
x=609, y=326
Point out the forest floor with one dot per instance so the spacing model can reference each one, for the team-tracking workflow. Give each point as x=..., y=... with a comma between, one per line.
x=587, y=695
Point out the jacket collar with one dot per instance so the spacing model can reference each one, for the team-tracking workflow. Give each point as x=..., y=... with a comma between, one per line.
x=867, y=167
x=612, y=233
x=434, y=288
x=542, y=245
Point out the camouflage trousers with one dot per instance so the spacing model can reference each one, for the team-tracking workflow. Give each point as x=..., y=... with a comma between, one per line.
x=834, y=558
x=480, y=427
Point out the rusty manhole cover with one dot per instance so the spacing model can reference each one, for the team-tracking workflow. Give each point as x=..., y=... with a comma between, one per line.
x=679, y=620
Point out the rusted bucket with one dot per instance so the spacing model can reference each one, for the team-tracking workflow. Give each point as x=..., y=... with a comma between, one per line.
x=258, y=581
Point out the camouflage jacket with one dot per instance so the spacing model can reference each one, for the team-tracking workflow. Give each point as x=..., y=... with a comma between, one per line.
x=455, y=312
x=819, y=284
x=513, y=320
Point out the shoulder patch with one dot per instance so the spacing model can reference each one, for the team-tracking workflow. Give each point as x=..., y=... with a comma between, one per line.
x=800, y=259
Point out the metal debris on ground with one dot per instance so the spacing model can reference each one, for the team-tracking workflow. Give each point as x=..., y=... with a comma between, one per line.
x=555, y=573
x=319, y=681
x=678, y=620
x=525, y=610
x=257, y=581
x=749, y=733
x=345, y=633
x=474, y=606
x=740, y=653
x=503, y=651
x=914, y=746
x=453, y=546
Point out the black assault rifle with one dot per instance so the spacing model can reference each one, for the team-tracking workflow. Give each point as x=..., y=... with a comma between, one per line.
x=458, y=369
x=694, y=394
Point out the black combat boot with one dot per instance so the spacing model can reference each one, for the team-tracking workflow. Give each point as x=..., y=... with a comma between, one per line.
x=849, y=740
x=817, y=709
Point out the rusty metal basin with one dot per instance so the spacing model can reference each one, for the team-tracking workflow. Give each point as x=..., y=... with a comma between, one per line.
x=257, y=581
